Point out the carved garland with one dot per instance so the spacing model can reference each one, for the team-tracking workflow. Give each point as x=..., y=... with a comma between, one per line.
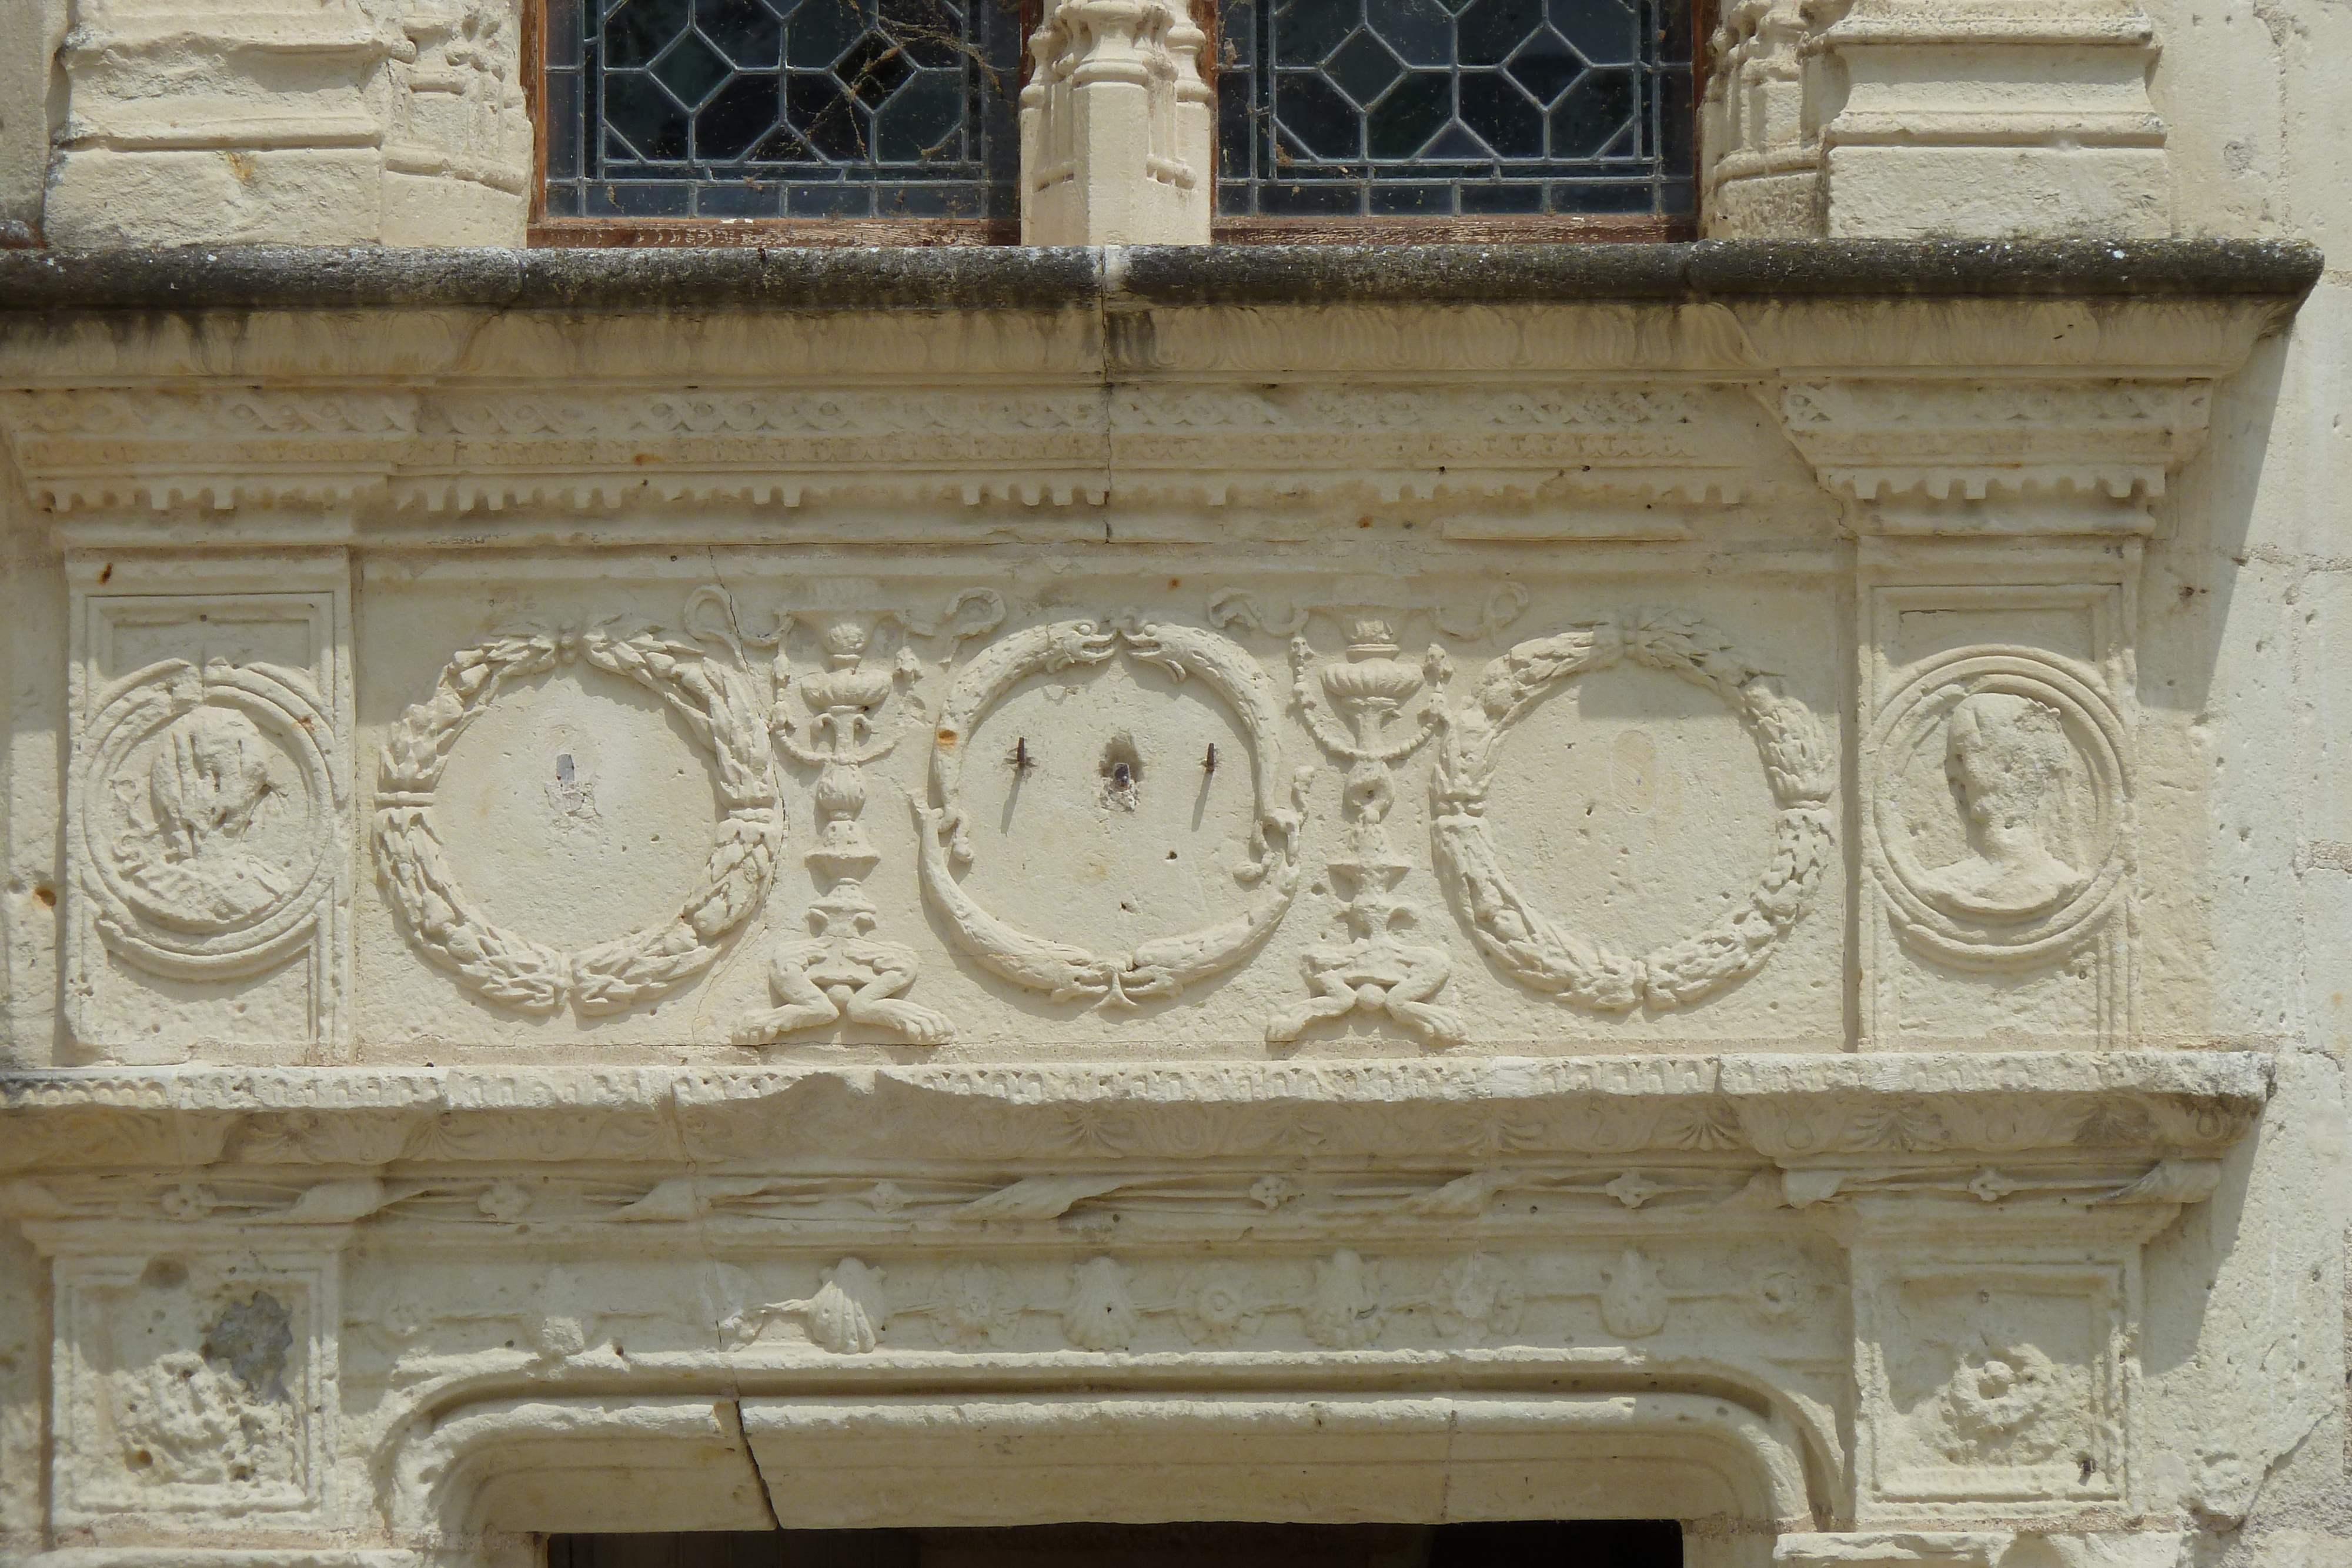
x=1164, y=966
x=1532, y=949
x=721, y=707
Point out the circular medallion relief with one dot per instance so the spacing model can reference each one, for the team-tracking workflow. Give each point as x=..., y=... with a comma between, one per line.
x=1997, y=789
x=205, y=803
x=1162, y=966
x=721, y=705
x=1540, y=953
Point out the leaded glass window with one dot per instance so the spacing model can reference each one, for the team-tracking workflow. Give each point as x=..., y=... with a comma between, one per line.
x=1454, y=107
x=791, y=109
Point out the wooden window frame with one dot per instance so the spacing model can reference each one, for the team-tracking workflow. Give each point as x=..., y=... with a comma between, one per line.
x=624, y=232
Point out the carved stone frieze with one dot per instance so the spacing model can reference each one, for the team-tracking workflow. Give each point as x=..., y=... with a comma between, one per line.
x=1922, y=457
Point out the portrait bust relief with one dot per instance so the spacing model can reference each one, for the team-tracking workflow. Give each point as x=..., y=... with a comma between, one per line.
x=2000, y=806
x=211, y=783
x=2010, y=766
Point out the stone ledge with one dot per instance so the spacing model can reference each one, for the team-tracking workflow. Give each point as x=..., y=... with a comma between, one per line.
x=1799, y=1106
x=1034, y=279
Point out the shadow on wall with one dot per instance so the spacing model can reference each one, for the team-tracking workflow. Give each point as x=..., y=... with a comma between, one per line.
x=1599, y=1543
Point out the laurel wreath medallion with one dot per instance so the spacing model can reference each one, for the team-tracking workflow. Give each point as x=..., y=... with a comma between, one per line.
x=725, y=710
x=1537, y=953
x=1164, y=966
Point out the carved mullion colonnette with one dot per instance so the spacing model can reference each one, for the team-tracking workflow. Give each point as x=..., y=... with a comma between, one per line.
x=2024, y=687
x=208, y=805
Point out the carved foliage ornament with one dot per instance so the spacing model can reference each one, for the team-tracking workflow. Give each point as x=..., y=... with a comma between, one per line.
x=1164, y=966
x=2035, y=754
x=206, y=802
x=722, y=703
x=1532, y=949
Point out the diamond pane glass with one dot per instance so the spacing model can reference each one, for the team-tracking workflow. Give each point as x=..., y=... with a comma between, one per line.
x=1454, y=107
x=736, y=109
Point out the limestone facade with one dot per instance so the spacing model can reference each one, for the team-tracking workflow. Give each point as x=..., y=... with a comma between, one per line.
x=692, y=890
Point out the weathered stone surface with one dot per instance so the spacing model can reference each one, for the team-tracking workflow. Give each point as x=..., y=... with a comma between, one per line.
x=694, y=889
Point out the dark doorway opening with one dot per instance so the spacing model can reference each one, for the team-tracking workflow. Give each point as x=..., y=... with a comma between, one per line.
x=1591, y=1543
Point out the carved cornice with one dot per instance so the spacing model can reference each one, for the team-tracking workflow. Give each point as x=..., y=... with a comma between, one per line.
x=1611, y=384
x=1793, y=1109
x=2058, y=455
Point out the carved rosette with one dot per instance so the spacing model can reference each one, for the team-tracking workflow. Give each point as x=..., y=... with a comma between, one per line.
x=2036, y=752
x=723, y=705
x=1164, y=966
x=207, y=801
x=1531, y=948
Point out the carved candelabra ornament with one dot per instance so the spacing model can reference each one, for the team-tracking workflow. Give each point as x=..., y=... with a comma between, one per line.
x=1531, y=948
x=723, y=704
x=842, y=972
x=1164, y=966
x=1376, y=969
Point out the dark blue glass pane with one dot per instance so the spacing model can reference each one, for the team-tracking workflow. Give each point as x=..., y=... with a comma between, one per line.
x=563, y=124
x=1319, y=120
x=1364, y=67
x=1496, y=199
x=920, y=123
x=1234, y=149
x=1316, y=200
x=1605, y=32
x=636, y=107
x=873, y=69
x=1400, y=201
x=1491, y=29
x=742, y=199
x=747, y=109
x=1469, y=107
x=1545, y=65
x=1417, y=29
x=691, y=69
x=799, y=107
x=563, y=32
x=1504, y=117
x=1305, y=31
x=1591, y=114
x=745, y=30
x=826, y=116
x=1415, y=110
x=637, y=30
x=820, y=30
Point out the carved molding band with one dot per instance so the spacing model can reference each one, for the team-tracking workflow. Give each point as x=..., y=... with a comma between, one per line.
x=721, y=705
x=1164, y=966
x=1531, y=948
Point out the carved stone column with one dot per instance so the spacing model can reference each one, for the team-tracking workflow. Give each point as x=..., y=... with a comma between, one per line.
x=1866, y=118
x=1116, y=127
x=292, y=122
